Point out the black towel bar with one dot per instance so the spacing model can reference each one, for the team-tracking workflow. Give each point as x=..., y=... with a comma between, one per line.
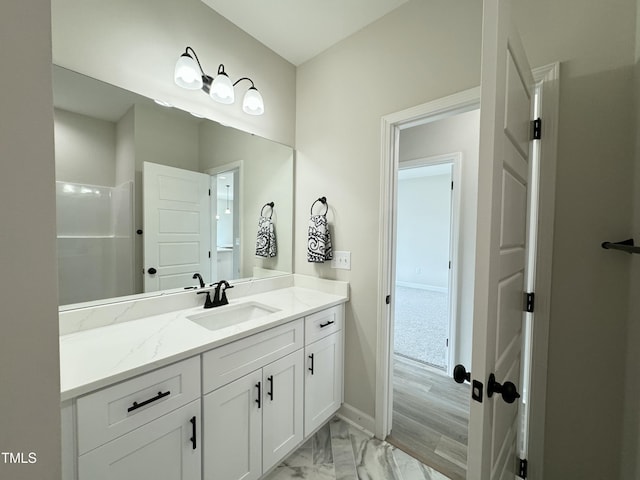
x=625, y=246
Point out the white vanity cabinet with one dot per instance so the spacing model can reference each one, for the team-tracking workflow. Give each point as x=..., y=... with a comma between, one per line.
x=164, y=448
x=145, y=427
x=253, y=422
x=324, y=367
x=231, y=413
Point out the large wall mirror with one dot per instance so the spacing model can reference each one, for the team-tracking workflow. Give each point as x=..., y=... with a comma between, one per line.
x=147, y=195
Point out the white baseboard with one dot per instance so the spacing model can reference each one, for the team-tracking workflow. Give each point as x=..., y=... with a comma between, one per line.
x=422, y=286
x=357, y=418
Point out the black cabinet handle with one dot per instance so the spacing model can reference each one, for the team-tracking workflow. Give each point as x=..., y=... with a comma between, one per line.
x=259, y=399
x=460, y=374
x=311, y=367
x=507, y=389
x=322, y=325
x=151, y=271
x=270, y=392
x=193, y=429
x=137, y=405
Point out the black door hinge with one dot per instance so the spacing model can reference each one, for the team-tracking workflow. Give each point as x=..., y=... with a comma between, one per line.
x=451, y=185
x=537, y=128
x=522, y=468
x=388, y=299
x=209, y=192
x=529, y=301
x=209, y=253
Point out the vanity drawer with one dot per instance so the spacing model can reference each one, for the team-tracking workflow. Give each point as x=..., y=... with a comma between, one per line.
x=320, y=324
x=116, y=410
x=229, y=362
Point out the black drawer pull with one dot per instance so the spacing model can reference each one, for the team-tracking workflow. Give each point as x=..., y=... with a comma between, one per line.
x=193, y=429
x=322, y=325
x=259, y=399
x=137, y=405
x=311, y=367
x=270, y=392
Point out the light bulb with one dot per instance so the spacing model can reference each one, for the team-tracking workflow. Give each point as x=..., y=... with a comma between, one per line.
x=253, y=103
x=222, y=89
x=187, y=73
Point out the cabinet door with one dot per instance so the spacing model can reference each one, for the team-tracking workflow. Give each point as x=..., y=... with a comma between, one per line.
x=282, y=418
x=162, y=449
x=323, y=381
x=233, y=430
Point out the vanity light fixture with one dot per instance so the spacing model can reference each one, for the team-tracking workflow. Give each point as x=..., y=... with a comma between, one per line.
x=190, y=75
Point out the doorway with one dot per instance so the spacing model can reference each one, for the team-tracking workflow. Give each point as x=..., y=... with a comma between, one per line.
x=423, y=288
x=434, y=256
x=226, y=227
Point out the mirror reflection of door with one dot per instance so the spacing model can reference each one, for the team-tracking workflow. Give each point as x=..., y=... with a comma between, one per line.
x=177, y=240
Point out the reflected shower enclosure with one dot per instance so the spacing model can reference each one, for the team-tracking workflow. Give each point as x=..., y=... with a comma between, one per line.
x=95, y=241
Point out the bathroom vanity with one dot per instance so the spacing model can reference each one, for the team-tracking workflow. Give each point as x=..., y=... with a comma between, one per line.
x=188, y=393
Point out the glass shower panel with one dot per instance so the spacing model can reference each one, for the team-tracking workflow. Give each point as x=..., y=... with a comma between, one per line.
x=95, y=241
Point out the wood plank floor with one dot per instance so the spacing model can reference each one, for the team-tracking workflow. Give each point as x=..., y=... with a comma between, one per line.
x=430, y=417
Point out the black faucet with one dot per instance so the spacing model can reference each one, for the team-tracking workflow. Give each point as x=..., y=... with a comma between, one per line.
x=219, y=295
x=208, y=303
x=199, y=277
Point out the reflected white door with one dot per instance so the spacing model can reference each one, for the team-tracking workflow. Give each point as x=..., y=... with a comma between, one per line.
x=503, y=193
x=177, y=236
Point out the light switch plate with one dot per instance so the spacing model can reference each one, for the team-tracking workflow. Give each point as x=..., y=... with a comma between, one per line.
x=341, y=260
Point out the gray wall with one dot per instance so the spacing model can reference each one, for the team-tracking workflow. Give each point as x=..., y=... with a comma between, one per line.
x=29, y=367
x=589, y=308
x=338, y=144
x=631, y=432
x=85, y=149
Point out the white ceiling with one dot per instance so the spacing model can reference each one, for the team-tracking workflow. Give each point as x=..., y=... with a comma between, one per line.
x=301, y=29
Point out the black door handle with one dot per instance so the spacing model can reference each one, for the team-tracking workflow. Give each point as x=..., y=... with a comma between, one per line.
x=151, y=271
x=507, y=389
x=460, y=374
x=270, y=392
x=259, y=399
x=311, y=367
x=137, y=405
x=193, y=429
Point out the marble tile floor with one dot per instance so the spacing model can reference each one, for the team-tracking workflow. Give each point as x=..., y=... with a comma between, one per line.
x=341, y=451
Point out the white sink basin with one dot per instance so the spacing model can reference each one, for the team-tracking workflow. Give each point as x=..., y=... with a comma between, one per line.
x=227, y=315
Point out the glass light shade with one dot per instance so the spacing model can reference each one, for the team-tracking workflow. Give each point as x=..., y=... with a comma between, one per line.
x=222, y=89
x=187, y=73
x=253, y=103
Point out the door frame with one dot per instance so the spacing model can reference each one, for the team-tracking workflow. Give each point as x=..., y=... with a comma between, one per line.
x=455, y=159
x=549, y=78
x=238, y=166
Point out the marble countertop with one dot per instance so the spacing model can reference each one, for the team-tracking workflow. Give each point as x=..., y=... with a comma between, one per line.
x=95, y=358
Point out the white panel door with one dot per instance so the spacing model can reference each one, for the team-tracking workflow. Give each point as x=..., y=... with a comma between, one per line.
x=282, y=418
x=162, y=449
x=232, y=427
x=503, y=192
x=323, y=381
x=177, y=226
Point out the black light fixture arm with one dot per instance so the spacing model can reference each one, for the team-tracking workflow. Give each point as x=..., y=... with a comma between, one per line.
x=244, y=78
x=186, y=51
